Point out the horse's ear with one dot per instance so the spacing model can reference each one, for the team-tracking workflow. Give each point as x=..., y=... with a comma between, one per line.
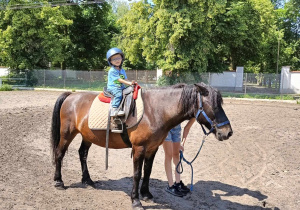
x=202, y=89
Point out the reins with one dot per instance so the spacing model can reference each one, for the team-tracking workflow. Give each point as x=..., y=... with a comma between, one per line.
x=213, y=126
x=189, y=163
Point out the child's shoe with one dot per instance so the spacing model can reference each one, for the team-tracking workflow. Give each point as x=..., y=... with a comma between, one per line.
x=121, y=113
x=113, y=112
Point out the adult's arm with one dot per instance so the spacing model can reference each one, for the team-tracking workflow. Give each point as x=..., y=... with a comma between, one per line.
x=186, y=130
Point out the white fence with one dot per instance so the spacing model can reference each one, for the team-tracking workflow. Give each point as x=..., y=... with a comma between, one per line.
x=290, y=81
x=230, y=81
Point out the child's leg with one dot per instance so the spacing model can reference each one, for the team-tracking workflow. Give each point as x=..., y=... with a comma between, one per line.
x=117, y=93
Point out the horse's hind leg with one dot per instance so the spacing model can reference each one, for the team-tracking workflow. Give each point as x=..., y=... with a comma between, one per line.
x=60, y=152
x=148, y=162
x=83, y=153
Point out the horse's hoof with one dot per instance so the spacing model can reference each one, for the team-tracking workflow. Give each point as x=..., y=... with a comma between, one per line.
x=136, y=205
x=88, y=183
x=59, y=185
x=147, y=199
x=147, y=196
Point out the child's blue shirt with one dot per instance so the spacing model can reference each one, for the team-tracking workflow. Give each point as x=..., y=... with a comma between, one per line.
x=113, y=76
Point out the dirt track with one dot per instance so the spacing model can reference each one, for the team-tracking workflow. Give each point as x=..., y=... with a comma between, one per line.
x=259, y=167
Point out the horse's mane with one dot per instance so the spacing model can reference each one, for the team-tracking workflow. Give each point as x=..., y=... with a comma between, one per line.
x=189, y=97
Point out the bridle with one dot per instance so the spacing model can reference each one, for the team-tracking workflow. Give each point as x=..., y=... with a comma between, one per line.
x=213, y=124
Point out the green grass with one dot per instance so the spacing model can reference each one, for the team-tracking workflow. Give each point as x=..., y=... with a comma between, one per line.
x=6, y=88
x=258, y=96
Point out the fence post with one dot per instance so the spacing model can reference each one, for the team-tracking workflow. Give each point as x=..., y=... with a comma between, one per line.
x=285, y=79
x=146, y=76
x=246, y=83
x=26, y=78
x=136, y=76
x=239, y=73
x=64, y=73
x=44, y=78
x=0, y=82
x=90, y=79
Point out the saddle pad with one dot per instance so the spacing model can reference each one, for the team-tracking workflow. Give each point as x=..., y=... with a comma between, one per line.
x=98, y=114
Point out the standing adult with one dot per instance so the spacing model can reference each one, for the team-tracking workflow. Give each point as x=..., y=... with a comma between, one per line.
x=172, y=146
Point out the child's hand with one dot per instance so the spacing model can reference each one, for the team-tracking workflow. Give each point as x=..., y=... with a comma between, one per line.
x=133, y=82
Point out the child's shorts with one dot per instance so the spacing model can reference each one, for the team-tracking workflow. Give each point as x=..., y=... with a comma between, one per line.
x=174, y=134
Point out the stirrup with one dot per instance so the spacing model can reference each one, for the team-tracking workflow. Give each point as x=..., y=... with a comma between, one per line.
x=114, y=130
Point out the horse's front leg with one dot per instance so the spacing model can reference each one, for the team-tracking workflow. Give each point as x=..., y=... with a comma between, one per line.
x=148, y=163
x=138, y=158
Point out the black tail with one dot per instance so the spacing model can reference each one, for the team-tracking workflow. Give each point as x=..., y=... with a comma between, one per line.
x=55, y=127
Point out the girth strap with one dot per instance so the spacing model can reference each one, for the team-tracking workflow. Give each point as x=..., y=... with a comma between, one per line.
x=125, y=136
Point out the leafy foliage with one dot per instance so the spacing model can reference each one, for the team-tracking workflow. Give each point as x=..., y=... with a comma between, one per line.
x=6, y=87
x=176, y=35
x=74, y=36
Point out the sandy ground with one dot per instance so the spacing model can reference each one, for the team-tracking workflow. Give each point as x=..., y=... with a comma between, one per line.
x=257, y=168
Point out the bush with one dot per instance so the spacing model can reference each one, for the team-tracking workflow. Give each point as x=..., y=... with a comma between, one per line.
x=6, y=88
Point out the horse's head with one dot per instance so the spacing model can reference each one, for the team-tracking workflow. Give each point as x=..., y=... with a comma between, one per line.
x=208, y=111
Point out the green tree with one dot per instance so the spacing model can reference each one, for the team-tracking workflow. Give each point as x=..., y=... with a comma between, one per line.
x=239, y=33
x=56, y=40
x=74, y=36
x=91, y=34
x=289, y=22
x=31, y=37
x=176, y=35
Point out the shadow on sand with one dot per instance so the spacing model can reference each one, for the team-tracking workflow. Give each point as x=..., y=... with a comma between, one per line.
x=205, y=195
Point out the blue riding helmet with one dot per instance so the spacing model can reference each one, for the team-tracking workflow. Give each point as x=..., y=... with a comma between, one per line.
x=112, y=52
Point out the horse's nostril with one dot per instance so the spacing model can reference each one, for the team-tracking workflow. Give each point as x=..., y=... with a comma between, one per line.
x=230, y=133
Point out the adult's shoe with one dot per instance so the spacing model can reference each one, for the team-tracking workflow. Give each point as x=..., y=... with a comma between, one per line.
x=174, y=191
x=182, y=188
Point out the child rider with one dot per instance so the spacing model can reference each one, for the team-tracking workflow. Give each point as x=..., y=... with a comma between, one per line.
x=116, y=79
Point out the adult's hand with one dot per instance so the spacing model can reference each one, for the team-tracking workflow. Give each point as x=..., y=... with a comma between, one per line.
x=181, y=147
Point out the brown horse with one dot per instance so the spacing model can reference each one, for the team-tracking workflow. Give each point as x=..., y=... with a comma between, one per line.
x=164, y=108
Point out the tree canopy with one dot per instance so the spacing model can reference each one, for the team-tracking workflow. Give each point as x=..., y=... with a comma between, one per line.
x=175, y=35
x=74, y=36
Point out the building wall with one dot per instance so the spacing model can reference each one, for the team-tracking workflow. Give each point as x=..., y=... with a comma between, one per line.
x=295, y=82
x=290, y=81
x=232, y=81
x=3, y=71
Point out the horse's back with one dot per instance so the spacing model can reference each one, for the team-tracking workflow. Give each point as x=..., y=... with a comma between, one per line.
x=76, y=107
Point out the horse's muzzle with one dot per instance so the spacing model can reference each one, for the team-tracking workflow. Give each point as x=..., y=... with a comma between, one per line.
x=224, y=135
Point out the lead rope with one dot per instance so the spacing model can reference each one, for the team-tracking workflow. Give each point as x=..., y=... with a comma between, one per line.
x=189, y=163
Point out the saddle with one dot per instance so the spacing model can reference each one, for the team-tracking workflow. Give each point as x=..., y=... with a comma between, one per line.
x=127, y=104
x=132, y=104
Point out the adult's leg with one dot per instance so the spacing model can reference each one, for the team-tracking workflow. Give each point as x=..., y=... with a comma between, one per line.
x=175, y=155
x=168, y=148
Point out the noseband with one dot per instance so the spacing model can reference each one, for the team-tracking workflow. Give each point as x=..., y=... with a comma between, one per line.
x=212, y=123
